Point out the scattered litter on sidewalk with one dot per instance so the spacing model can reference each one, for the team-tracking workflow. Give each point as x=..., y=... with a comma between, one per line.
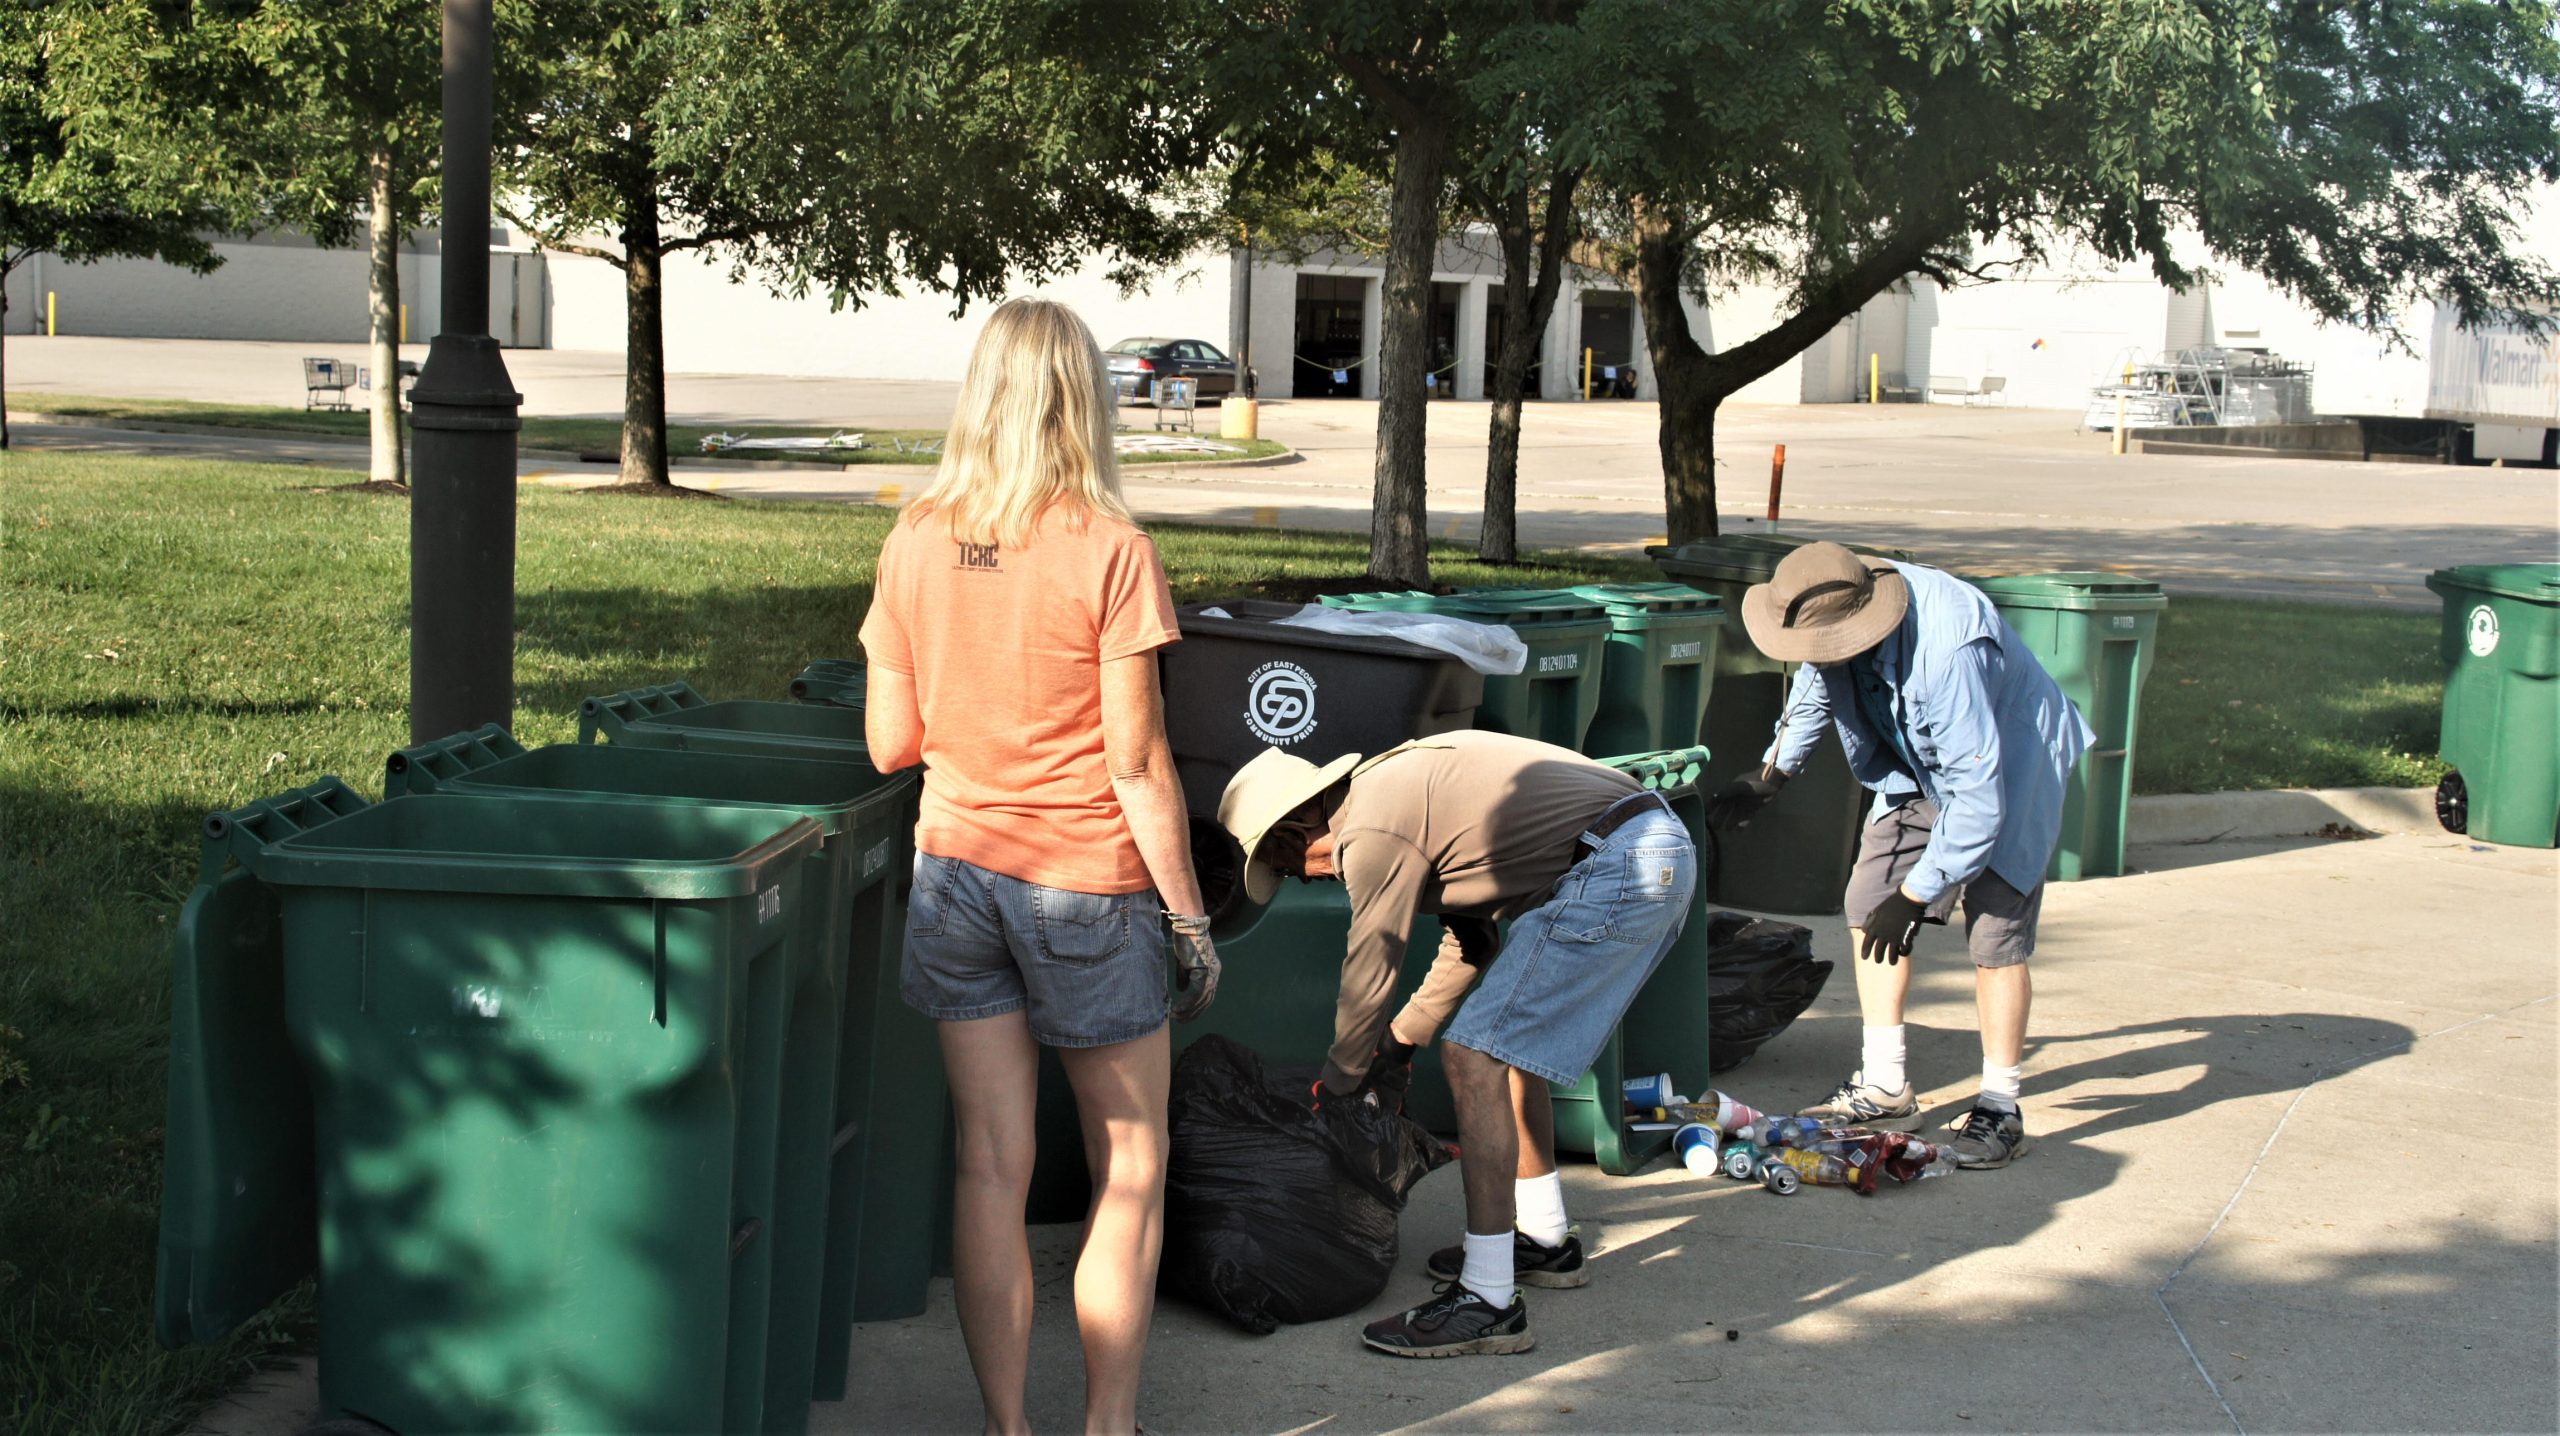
x=1781, y=1153
x=837, y=442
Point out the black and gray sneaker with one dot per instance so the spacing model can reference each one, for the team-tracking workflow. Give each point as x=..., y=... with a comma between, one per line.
x=1988, y=1137
x=1858, y=1103
x=1532, y=1264
x=1457, y=1322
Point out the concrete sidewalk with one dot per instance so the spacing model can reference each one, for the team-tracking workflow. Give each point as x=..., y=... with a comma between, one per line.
x=2295, y=1106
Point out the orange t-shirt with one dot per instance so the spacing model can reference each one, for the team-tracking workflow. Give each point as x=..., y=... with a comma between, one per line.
x=1006, y=650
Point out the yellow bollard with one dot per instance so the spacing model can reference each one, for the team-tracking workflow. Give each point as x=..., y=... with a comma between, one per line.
x=1586, y=375
x=404, y=323
x=889, y=494
x=1239, y=418
x=1875, y=378
x=2119, y=434
x=48, y=314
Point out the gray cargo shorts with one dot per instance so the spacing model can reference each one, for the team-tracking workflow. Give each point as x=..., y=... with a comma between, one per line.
x=1999, y=920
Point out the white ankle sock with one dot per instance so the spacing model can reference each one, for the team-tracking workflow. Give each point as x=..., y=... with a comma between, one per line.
x=1488, y=1269
x=1537, y=1204
x=2000, y=1085
x=1881, y=1061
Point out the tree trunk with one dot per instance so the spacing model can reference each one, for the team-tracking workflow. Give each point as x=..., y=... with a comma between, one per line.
x=1683, y=373
x=1399, y=521
x=644, y=357
x=383, y=307
x=1498, y=540
x=4, y=357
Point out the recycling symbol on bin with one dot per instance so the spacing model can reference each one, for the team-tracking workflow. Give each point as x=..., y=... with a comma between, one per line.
x=2484, y=631
x=1280, y=703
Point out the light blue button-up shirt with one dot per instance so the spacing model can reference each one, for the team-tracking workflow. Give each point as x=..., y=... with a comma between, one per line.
x=1992, y=735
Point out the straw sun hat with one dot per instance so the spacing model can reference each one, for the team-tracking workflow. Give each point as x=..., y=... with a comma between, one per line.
x=1271, y=787
x=1824, y=604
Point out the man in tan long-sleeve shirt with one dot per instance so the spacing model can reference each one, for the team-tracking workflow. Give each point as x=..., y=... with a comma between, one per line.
x=1593, y=874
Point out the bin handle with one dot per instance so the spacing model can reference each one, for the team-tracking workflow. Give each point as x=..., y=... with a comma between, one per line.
x=1674, y=771
x=425, y=767
x=611, y=715
x=247, y=830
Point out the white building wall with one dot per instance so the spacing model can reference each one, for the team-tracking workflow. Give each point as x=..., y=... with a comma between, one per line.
x=276, y=288
x=714, y=326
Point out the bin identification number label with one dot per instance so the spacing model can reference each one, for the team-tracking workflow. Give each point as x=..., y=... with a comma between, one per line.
x=2484, y=631
x=876, y=857
x=2123, y=622
x=1280, y=703
x=768, y=904
x=1688, y=650
x=1559, y=662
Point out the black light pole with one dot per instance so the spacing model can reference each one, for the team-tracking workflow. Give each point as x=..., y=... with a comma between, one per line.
x=462, y=505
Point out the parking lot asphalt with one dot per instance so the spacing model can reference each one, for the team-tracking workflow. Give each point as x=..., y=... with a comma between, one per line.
x=1978, y=489
x=2292, y=1172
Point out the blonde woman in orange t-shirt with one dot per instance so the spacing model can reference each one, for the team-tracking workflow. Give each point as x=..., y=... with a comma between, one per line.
x=1012, y=640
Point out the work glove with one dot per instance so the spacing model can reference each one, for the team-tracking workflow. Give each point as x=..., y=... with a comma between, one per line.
x=1195, y=966
x=1734, y=804
x=1390, y=1076
x=1887, y=934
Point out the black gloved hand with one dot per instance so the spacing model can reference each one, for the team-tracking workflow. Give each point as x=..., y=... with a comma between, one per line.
x=1734, y=804
x=1195, y=966
x=1887, y=934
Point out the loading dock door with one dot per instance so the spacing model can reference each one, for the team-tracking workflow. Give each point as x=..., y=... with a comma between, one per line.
x=1330, y=310
x=1493, y=351
x=1608, y=331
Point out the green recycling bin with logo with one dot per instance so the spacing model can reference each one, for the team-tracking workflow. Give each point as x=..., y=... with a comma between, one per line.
x=1658, y=668
x=2501, y=641
x=864, y=816
x=2097, y=634
x=1553, y=697
x=893, y=1185
x=544, y=1045
x=1796, y=856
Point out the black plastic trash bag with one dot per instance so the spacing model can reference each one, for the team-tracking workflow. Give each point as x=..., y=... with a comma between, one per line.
x=1274, y=1212
x=1761, y=975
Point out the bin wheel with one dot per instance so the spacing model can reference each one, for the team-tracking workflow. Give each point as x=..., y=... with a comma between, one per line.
x=1782, y=1179
x=2453, y=804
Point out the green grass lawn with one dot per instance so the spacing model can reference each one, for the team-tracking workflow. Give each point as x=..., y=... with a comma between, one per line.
x=181, y=636
x=582, y=436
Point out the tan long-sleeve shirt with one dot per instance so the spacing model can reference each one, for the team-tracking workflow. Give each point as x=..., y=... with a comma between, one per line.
x=1473, y=827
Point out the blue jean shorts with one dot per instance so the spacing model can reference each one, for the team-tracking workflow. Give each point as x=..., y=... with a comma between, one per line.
x=1573, y=964
x=1090, y=967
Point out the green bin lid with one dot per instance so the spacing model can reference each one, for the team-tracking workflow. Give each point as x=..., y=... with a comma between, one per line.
x=2073, y=591
x=1747, y=558
x=550, y=847
x=2533, y=582
x=1525, y=607
x=1650, y=600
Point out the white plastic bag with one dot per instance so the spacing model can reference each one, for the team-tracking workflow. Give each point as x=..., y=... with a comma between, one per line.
x=1490, y=648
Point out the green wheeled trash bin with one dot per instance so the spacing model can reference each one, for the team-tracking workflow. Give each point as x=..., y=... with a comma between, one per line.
x=893, y=1186
x=1658, y=669
x=545, y=1044
x=2501, y=640
x=1553, y=698
x=2097, y=634
x=864, y=816
x=1798, y=852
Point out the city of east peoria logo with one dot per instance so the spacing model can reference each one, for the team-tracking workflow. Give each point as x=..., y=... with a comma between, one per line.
x=979, y=556
x=1280, y=703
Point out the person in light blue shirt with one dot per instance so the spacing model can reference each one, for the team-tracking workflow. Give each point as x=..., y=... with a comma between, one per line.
x=1967, y=744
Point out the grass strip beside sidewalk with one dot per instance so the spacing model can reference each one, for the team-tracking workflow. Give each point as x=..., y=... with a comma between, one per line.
x=184, y=636
x=547, y=431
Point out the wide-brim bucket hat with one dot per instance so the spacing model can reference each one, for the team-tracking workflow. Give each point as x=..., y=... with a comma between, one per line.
x=1824, y=604
x=1271, y=787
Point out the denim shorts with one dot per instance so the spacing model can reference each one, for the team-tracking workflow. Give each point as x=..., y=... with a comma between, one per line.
x=1089, y=966
x=1999, y=920
x=1572, y=966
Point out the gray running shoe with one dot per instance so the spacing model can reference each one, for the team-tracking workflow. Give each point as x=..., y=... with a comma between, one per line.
x=1988, y=1137
x=1531, y=1264
x=1457, y=1322
x=1857, y=1104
